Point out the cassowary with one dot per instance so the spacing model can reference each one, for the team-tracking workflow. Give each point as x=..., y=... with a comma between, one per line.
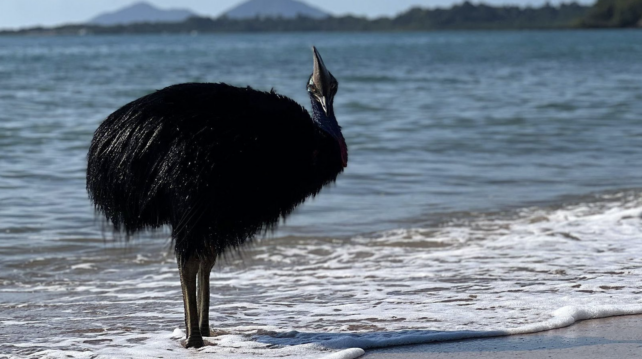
x=218, y=164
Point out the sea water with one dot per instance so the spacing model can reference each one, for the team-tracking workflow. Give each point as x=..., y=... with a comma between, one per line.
x=494, y=187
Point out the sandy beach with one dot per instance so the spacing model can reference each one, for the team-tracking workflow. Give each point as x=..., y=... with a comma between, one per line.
x=616, y=337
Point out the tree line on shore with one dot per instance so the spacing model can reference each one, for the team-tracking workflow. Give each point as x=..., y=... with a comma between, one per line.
x=614, y=14
x=464, y=16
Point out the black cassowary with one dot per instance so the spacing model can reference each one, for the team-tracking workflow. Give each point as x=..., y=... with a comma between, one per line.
x=217, y=163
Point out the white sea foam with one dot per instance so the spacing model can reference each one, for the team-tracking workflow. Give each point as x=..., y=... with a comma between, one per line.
x=83, y=266
x=492, y=275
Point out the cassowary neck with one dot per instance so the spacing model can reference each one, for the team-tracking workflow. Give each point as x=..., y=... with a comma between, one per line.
x=320, y=115
x=328, y=123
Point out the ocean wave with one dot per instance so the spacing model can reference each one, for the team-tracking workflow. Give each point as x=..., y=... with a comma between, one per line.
x=476, y=276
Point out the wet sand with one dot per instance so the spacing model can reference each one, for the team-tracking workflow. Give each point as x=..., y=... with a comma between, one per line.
x=616, y=337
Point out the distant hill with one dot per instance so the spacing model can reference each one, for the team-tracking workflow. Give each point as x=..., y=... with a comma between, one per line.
x=463, y=16
x=286, y=9
x=141, y=12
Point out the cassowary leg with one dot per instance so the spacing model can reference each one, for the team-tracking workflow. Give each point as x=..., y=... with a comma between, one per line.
x=204, y=295
x=188, y=270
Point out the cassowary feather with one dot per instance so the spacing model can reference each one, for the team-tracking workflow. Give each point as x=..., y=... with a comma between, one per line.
x=217, y=163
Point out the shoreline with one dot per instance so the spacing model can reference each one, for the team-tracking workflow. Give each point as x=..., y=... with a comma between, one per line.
x=614, y=337
x=20, y=33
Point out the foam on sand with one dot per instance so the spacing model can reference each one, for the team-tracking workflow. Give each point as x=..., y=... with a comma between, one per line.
x=346, y=346
x=526, y=271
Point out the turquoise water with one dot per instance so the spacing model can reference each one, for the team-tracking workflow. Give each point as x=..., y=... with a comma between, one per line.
x=441, y=126
x=436, y=123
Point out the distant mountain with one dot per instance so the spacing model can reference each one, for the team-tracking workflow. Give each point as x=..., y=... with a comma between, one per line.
x=141, y=12
x=464, y=16
x=286, y=9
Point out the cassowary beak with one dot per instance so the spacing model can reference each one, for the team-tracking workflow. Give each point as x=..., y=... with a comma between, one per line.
x=324, y=103
x=321, y=77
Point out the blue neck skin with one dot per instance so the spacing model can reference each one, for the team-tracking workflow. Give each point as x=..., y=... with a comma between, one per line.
x=327, y=123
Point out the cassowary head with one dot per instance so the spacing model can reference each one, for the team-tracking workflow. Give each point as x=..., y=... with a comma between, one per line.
x=322, y=87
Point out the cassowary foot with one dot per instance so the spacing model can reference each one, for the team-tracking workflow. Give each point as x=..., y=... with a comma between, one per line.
x=205, y=332
x=194, y=341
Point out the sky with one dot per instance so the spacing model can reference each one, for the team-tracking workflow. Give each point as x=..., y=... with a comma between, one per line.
x=26, y=13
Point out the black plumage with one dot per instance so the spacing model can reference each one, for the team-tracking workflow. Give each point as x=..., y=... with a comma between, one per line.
x=217, y=163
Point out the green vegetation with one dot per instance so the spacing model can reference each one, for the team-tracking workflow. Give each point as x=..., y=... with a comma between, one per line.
x=470, y=16
x=464, y=16
x=614, y=13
